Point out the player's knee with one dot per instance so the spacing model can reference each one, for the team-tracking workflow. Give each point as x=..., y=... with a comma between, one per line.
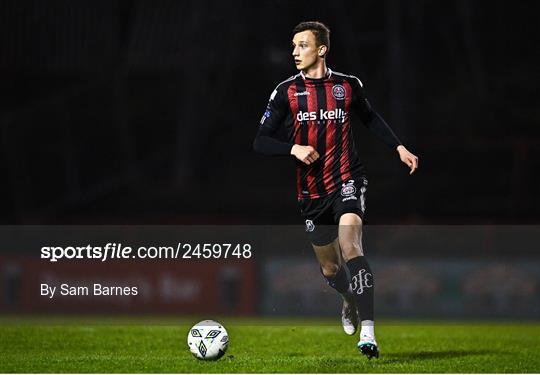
x=351, y=219
x=330, y=269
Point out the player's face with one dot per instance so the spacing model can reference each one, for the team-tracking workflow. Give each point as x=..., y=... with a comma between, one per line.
x=305, y=51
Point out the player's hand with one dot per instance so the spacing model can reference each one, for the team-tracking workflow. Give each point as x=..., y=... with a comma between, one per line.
x=306, y=154
x=408, y=158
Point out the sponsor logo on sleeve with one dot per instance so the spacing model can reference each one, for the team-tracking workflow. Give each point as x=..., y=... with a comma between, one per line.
x=267, y=114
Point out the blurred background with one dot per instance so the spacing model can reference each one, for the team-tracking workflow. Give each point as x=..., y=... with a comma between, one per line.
x=145, y=112
x=140, y=112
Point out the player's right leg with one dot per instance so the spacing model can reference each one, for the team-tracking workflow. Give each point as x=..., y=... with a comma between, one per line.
x=333, y=270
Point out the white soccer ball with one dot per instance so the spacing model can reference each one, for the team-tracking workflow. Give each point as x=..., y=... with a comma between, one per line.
x=208, y=340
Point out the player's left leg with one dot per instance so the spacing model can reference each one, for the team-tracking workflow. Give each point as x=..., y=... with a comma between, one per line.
x=322, y=232
x=350, y=241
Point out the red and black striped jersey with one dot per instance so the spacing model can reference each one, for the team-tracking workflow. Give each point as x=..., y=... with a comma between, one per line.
x=316, y=112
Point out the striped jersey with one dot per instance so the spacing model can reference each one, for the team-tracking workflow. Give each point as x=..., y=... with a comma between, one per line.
x=316, y=112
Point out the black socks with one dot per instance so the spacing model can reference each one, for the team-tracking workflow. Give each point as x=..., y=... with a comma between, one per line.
x=361, y=283
x=362, y=286
x=339, y=282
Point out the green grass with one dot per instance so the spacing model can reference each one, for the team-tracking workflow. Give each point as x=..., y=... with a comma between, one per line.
x=152, y=345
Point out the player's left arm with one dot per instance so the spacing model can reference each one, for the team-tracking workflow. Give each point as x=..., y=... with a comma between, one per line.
x=376, y=124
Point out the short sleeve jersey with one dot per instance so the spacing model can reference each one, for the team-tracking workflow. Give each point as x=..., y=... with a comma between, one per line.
x=316, y=112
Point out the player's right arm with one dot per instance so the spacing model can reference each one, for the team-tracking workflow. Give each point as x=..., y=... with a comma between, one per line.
x=275, y=114
x=276, y=111
x=306, y=154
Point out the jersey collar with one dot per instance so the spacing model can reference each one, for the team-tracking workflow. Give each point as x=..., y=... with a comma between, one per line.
x=327, y=75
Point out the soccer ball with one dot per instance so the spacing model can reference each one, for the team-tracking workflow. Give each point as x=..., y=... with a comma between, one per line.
x=208, y=340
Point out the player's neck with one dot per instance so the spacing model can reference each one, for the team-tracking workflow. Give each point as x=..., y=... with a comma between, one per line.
x=318, y=71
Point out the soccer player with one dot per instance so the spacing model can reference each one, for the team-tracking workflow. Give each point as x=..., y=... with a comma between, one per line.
x=314, y=106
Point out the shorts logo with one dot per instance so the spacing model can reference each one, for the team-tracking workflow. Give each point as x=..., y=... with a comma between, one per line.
x=348, y=188
x=310, y=227
x=338, y=92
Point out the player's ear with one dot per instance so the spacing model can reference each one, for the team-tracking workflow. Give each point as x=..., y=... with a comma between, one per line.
x=322, y=50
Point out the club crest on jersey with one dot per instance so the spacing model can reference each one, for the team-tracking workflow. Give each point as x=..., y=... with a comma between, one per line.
x=338, y=92
x=310, y=227
x=348, y=189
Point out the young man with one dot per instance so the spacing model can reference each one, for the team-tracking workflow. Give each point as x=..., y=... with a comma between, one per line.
x=315, y=106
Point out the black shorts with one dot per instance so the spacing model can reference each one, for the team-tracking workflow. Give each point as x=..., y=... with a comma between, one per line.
x=322, y=215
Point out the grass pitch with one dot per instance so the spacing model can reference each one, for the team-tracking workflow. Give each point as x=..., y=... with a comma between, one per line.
x=158, y=345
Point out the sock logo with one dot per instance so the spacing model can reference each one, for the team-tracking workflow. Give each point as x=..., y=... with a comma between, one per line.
x=310, y=227
x=363, y=280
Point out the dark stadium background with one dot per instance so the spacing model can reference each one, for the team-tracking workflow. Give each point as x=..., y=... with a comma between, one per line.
x=144, y=112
